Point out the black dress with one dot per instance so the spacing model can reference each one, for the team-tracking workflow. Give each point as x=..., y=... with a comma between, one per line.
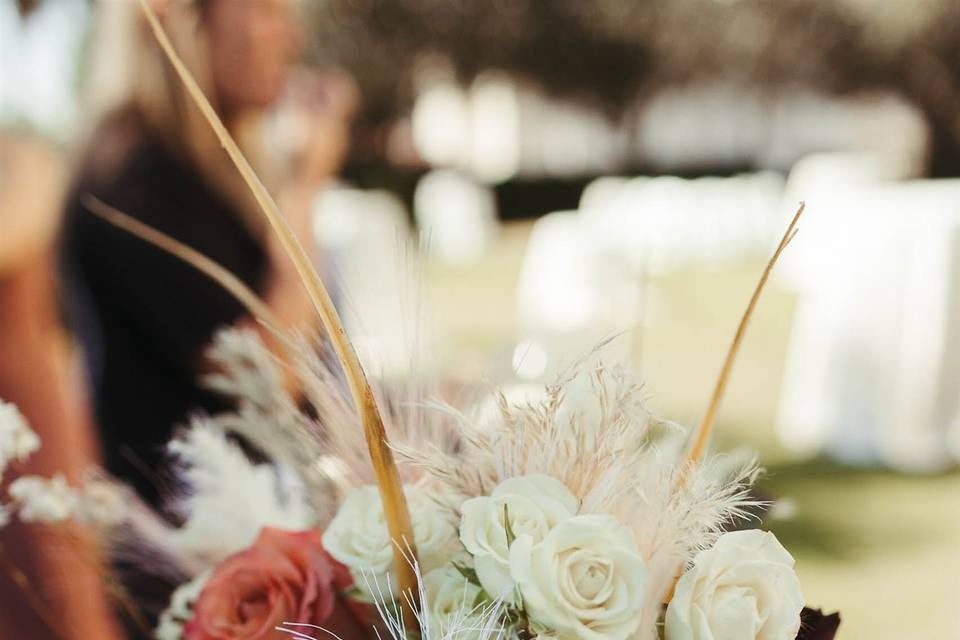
x=143, y=316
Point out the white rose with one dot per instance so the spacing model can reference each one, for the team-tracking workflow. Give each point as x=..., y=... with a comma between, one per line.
x=452, y=604
x=584, y=581
x=17, y=440
x=744, y=588
x=535, y=504
x=358, y=536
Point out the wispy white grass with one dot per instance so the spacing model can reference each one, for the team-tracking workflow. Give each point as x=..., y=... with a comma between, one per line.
x=484, y=621
x=607, y=452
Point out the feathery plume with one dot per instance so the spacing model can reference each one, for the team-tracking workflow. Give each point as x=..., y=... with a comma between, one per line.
x=228, y=499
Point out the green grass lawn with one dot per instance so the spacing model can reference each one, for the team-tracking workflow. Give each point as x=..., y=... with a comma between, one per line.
x=881, y=547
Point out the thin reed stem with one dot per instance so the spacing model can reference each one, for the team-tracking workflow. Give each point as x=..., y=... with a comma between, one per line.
x=701, y=437
x=20, y=579
x=236, y=287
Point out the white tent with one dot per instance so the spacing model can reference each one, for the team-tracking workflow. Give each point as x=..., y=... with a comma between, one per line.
x=667, y=222
x=873, y=370
x=569, y=297
x=456, y=214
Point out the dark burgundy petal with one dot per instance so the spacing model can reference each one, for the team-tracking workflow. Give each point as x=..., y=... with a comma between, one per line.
x=815, y=625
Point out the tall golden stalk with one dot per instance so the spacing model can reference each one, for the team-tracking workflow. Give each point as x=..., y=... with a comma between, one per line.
x=701, y=437
x=388, y=480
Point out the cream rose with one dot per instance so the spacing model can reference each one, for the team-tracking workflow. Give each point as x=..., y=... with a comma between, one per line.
x=452, y=604
x=535, y=504
x=584, y=581
x=744, y=588
x=358, y=536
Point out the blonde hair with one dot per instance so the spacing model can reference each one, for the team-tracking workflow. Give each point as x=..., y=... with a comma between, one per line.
x=130, y=75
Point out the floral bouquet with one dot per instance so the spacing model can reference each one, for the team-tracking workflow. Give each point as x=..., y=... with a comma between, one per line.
x=580, y=516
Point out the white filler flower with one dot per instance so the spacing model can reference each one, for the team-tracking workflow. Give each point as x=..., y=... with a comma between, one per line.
x=17, y=440
x=585, y=581
x=44, y=500
x=743, y=588
x=535, y=504
x=102, y=503
x=358, y=535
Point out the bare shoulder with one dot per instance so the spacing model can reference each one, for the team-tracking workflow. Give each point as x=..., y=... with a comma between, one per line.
x=32, y=184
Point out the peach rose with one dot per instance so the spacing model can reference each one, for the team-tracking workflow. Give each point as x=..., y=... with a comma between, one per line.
x=284, y=577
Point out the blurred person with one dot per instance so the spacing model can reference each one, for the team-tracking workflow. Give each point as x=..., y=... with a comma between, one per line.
x=144, y=316
x=63, y=596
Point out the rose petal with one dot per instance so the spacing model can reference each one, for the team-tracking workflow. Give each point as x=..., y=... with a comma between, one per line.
x=284, y=577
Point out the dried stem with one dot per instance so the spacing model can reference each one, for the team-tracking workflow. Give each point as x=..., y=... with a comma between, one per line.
x=274, y=337
x=388, y=480
x=20, y=579
x=194, y=258
x=701, y=436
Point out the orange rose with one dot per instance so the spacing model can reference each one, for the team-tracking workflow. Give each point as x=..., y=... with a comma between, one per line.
x=284, y=577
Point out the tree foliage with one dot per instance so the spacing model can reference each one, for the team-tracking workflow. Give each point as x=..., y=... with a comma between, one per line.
x=614, y=53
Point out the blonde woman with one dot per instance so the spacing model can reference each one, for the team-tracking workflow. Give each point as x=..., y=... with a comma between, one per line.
x=144, y=316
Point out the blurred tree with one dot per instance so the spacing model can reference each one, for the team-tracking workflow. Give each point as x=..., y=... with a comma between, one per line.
x=615, y=53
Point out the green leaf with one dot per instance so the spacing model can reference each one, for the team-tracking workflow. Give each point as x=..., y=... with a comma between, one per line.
x=481, y=600
x=467, y=572
x=355, y=594
x=508, y=527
